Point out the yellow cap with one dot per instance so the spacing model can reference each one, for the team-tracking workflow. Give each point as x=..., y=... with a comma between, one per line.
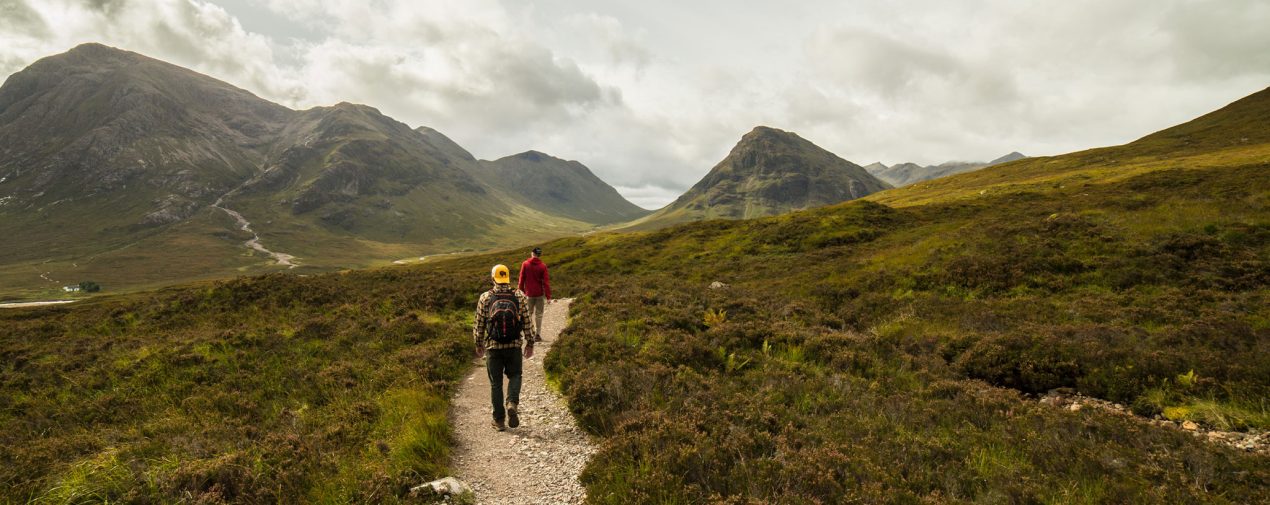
x=501, y=275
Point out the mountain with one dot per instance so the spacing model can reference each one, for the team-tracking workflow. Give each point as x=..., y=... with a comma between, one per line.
x=903, y=174
x=131, y=171
x=559, y=187
x=144, y=142
x=769, y=172
x=1014, y=155
x=896, y=175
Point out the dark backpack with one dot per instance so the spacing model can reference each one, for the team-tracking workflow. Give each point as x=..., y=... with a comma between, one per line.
x=503, y=326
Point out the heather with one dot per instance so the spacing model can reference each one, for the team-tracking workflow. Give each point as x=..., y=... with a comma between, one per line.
x=280, y=388
x=868, y=353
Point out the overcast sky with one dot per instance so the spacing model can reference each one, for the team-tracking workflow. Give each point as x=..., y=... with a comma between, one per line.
x=651, y=94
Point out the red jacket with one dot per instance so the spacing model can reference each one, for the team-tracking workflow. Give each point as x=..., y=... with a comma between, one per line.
x=533, y=279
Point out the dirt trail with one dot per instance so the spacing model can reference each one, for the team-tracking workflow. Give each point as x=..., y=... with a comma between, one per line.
x=538, y=462
x=18, y=305
x=283, y=259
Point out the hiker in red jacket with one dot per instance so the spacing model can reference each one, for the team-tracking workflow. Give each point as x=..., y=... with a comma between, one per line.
x=534, y=282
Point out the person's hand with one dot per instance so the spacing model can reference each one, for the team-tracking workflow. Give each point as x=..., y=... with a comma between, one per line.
x=529, y=351
x=480, y=352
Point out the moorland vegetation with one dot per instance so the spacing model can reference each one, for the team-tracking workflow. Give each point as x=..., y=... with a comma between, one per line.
x=885, y=350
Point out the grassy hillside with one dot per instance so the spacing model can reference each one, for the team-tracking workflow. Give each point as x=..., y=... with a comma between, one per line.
x=886, y=353
x=851, y=358
x=287, y=389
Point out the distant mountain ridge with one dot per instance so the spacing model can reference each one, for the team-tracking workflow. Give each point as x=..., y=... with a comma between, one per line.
x=566, y=188
x=768, y=172
x=903, y=174
x=110, y=154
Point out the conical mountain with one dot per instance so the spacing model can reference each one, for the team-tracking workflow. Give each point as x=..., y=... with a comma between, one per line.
x=560, y=187
x=1013, y=156
x=769, y=172
x=101, y=145
x=96, y=119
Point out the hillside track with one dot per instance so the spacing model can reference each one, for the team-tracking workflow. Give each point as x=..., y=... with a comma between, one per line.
x=540, y=461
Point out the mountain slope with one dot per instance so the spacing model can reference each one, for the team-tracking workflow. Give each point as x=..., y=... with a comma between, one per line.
x=350, y=170
x=556, y=186
x=129, y=171
x=132, y=142
x=1234, y=134
x=768, y=172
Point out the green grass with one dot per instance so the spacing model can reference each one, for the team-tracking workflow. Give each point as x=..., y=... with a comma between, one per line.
x=328, y=389
x=854, y=356
x=887, y=350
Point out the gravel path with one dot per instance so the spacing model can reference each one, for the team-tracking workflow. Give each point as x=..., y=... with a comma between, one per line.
x=538, y=462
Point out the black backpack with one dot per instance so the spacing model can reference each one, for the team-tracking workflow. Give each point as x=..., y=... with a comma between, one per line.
x=503, y=326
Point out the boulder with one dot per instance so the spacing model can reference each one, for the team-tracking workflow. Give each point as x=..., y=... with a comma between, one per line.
x=448, y=486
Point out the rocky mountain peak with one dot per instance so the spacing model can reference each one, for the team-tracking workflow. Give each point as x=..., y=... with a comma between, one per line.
x=1015, y=155
x=532, y=155
x=769, y=171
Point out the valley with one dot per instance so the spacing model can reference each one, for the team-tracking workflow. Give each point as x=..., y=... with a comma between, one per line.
x=175, y=171
x=792, y=329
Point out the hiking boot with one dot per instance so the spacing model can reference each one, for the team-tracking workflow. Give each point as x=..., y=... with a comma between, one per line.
x=498, y=426
x=513, y=417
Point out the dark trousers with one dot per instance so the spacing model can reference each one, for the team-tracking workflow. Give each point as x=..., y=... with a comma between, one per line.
x=500, y=362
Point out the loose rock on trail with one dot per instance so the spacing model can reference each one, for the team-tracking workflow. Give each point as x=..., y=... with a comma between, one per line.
x=538, y=462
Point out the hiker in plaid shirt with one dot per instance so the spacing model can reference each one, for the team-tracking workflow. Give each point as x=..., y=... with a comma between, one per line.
x=499, y=332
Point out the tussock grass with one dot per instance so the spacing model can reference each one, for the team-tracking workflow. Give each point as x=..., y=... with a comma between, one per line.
x=860, y=342
x=327, y=389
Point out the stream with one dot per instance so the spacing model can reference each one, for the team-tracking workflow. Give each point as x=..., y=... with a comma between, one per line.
x=245, y=225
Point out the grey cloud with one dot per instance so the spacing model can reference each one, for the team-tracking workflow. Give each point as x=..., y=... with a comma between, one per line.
x=605, y=38
x=534, y=74
x=887, y=64
x=17, y=17
x=1218, y=40
x=898, y=69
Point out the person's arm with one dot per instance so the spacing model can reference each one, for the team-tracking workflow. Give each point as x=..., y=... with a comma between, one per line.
x=478, y=324
x=546, y=282
x=520, y=277
x=528, y=327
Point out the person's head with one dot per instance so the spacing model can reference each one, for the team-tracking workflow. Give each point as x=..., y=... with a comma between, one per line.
x=537, y=252
x=500, y=274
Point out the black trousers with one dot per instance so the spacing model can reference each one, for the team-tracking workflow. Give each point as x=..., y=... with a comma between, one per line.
x=499, y=363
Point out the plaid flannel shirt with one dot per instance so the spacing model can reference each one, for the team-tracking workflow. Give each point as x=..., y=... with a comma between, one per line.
x=482, y=316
